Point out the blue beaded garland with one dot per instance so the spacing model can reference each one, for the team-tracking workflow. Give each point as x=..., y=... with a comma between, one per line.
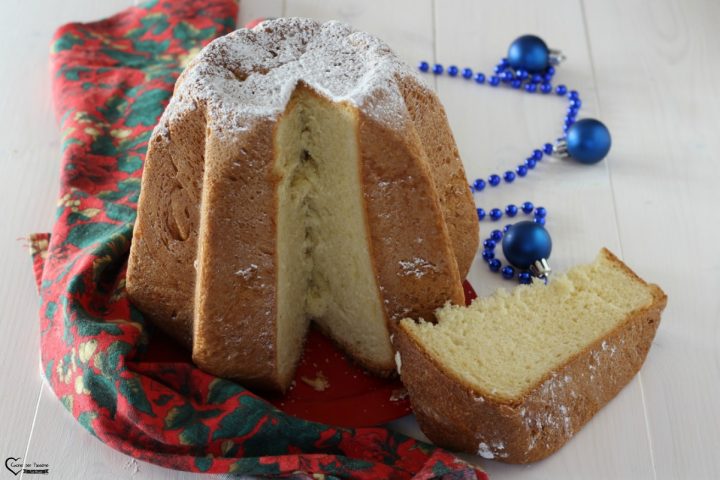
x=530, y=53
x=509, y=72
x=515, y=77
x=489, y=245
x=508, y=272
x=588, y=141
x=525, y=243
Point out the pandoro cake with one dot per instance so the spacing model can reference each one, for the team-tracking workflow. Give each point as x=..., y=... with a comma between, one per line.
x=301, y=172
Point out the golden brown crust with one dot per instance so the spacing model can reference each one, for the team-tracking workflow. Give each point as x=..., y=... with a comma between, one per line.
x=409, y=241
x=161, y=275
x=446, y=170
x=235, y=305
x=544, y=418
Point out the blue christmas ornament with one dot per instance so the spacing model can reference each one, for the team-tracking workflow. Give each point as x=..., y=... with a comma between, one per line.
x=526, y=243
x=588, y=141
x=529, y=53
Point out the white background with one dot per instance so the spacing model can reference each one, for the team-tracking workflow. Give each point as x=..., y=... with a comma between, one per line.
x=649, y=69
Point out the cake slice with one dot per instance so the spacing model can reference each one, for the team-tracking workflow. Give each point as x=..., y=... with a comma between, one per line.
x=514, y=376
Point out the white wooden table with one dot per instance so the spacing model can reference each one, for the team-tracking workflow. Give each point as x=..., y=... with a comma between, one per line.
x=650, y=70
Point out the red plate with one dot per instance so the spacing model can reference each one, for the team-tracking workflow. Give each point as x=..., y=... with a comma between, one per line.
x=328, y=388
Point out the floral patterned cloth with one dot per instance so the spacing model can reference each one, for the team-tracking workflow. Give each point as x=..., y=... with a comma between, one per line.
x=111, y=81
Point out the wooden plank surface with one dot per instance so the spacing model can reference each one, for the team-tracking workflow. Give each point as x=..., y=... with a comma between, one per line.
x=647, y=69
x=496, y=130
x=657, y=76
x=29, y=146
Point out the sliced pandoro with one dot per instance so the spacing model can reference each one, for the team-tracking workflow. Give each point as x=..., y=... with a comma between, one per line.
x=514, y=376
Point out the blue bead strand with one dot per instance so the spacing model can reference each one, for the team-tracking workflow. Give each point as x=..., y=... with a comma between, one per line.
x=505, y=74
x=539, y=213
x=490, y=243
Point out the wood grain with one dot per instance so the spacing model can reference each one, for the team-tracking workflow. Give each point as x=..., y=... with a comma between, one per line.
x=665, y=182
x=409, y=35
x=29, y=146
x=497, y=129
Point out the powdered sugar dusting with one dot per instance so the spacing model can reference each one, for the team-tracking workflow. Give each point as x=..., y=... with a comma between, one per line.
x=248, y=272
x=485, y=452
x=250, y=74
x=555, y=416
x=492, y=450
x=417, y=267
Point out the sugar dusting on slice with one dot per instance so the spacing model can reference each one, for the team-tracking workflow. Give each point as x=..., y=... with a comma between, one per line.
x=416, y=267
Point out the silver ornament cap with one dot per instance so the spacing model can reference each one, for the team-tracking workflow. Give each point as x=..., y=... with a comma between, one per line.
x=541, y=269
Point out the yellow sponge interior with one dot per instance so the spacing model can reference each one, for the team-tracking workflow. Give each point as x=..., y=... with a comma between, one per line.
x=505, y=344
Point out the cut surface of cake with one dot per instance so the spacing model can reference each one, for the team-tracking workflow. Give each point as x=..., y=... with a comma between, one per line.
x=516, y=374
x=300, y=172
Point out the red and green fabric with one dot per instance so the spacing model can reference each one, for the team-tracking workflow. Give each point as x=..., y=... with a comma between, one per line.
x=111, y=81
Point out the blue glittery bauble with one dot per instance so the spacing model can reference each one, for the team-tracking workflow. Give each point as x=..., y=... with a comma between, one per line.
x=529, y=53
x=588, y=141
x=525, y=243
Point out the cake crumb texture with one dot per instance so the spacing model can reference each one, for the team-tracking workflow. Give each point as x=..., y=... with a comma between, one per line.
x=517, y=374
